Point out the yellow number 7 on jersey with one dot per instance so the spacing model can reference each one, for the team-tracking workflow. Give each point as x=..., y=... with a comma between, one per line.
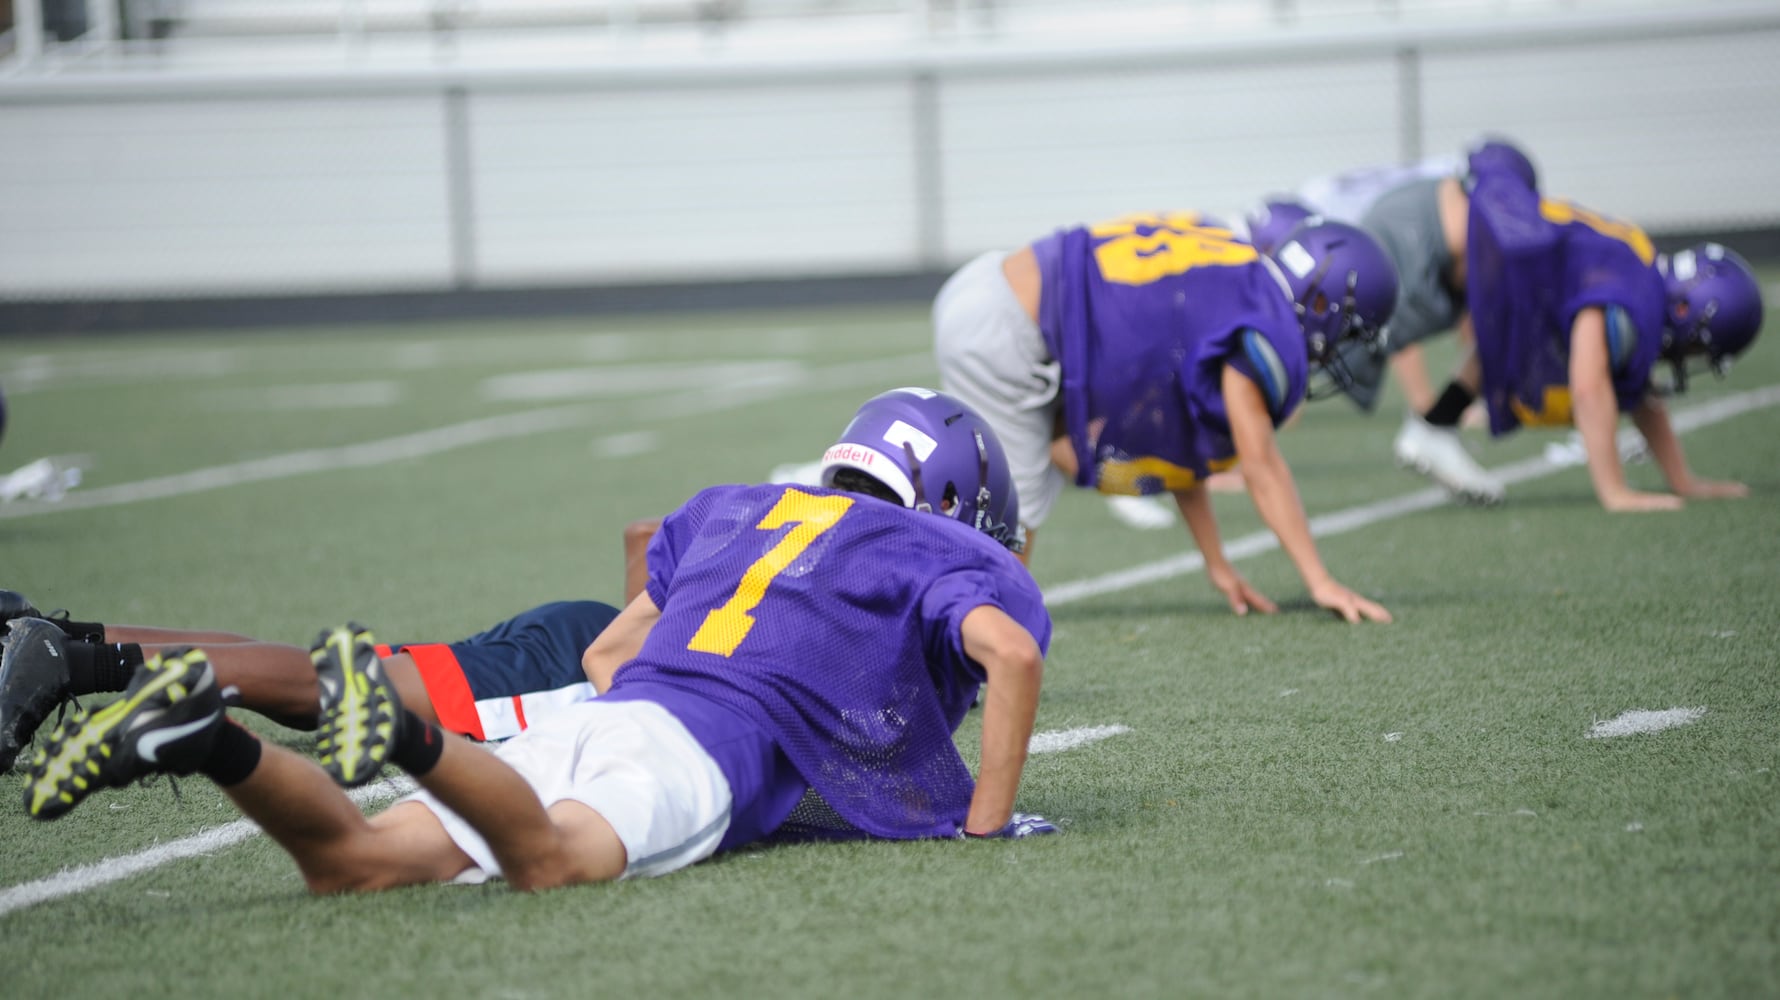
x=725, y=628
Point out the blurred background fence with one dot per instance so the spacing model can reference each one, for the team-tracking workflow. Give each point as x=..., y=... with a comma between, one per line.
x=245, y=150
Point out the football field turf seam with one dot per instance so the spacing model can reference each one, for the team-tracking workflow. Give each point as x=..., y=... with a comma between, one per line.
x=113, y=869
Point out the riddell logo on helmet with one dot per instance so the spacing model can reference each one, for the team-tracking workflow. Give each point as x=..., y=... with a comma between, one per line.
x=849, y=453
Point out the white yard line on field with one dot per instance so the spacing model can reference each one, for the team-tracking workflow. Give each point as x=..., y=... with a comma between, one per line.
x=99, y=873
x=876, y=371
x=1644, y=721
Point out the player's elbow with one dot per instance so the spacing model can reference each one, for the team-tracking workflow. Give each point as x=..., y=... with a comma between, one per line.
x=1018, y=663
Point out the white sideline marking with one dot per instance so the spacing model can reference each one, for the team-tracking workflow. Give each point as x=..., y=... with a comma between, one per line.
x=69, y=882
x=603, y=381
x=338, y=396
x=441, y=439
x=1644, y=721
x=626, y=444
x=1069, y=739
x=370, y=453
x=1343, y=521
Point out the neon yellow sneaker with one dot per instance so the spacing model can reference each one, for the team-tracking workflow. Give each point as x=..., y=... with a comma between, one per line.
x=164, y=724
x=359, y=706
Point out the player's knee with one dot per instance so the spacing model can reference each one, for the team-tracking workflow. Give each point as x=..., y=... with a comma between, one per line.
x=336, y=880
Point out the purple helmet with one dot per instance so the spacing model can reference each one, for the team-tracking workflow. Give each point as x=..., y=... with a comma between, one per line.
x=1344, y=288
x=1273, y=218
x=1497, y=155
x=935, y=454
x=1715, y=307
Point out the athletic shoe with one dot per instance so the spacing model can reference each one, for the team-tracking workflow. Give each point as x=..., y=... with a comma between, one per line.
x=15, y=605
x=33, y=680
x=1436, y=452
x=164, y=724
x=359, y=707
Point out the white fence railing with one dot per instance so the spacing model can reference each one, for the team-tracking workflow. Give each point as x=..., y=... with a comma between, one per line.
x=134, y=178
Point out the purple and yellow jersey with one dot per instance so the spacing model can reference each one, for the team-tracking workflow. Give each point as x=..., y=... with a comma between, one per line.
x=833, y=621
x=1534, y=264
x=1143, y=313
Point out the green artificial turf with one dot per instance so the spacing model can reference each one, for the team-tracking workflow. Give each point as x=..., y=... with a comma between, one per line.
x=1297, y=807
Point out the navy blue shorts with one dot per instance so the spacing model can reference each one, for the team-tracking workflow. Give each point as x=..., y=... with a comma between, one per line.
x=491, y=685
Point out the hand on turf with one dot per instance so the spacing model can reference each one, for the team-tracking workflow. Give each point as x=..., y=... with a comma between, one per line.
x=1350, y=606
x=1714, y=489
x=1637, y=502
x=1237, y=591
x=1021, y=826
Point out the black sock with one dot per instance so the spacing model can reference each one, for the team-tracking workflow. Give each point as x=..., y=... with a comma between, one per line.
x=95, y=667
x=1451, y=406
x=234, y=755
x=418, y=749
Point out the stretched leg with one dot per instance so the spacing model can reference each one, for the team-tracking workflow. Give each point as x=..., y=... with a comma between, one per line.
x=335, y=847
x=537, y=848
x=1410, y=368
x=364, y=724
x=171, y=720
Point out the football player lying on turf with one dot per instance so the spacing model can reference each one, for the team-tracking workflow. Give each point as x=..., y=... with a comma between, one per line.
x=1571, y=310
x=486, y=687
x=788, y=638
x=1141, y=355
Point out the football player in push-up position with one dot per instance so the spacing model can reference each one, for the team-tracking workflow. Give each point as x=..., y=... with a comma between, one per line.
x=788, y=639
x=1571, y=311
x=1142, y=354
x=486, y=687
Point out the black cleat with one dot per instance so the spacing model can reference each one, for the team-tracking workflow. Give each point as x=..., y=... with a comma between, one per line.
x=359, y=707
x=33, y=681
x=15, y=605
x=164, y=724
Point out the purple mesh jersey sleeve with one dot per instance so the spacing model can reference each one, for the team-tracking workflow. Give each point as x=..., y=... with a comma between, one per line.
x=1533, y=265
x=944, y=607
x=829, y=619
x=1143, y=314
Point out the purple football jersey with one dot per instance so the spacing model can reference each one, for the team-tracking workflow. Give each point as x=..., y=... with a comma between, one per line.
x=1143, y=313
x=1533, y=265
x=832, y=620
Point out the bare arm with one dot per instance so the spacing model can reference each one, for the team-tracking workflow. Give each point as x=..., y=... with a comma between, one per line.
x=636, y=551
x=1202, y=523
x=1595, y=409
x=1652, y=420
x=1011, y=658
x=1275, y=496
x=620, y=641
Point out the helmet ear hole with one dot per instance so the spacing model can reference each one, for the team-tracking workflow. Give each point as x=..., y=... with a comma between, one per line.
x=949, y=500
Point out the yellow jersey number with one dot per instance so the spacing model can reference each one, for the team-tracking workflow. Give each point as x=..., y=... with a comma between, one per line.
x=725, y=627
x=1562, y=212
x=1139, y=249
